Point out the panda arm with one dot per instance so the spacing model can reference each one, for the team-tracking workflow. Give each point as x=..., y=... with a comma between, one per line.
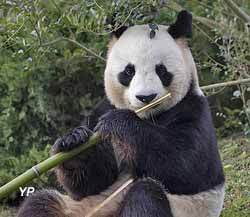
x=92, y=171
x=182, y=155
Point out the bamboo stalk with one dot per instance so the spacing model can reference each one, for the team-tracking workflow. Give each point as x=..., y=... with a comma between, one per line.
x=44, y=166
x=110, y=198
x=57, y=159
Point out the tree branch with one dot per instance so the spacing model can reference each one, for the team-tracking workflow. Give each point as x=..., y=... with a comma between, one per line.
x=85, y=48
x=226, y=84
x=12, y=36
x=76, y=43
x=238, y=11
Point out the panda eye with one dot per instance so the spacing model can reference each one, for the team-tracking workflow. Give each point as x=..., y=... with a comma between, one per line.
x=130, y=70
x=127, y=75
x=161, y=70
x=165, y=76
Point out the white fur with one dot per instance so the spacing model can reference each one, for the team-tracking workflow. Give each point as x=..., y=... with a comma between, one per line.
x=190, y=65
x=204, y=204
x=72, y=208
x=135, y=47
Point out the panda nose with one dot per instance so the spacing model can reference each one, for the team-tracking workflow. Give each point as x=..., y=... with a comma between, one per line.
x=146, y=99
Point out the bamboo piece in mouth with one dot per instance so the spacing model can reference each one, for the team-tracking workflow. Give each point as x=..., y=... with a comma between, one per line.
x=154, y=103
x=59, y=158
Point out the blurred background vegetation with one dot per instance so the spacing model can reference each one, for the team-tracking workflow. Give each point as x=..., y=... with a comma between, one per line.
x=52, y=59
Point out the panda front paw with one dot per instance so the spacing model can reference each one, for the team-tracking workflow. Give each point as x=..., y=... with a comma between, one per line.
x=72, y=140
x=117, y=123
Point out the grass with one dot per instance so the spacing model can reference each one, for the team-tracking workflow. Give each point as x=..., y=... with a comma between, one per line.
x=236, y=160
x=235, y=154
x=7, y=212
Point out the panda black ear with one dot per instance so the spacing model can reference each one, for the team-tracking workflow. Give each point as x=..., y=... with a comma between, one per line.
x=113, y=23
x=182, y=26
x=118, y=32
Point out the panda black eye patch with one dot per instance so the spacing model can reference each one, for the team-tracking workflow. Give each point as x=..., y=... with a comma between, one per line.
x=127, y=74
x=165, y=76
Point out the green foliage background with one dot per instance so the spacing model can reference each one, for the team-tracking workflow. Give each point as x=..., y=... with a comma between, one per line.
x=49, y=79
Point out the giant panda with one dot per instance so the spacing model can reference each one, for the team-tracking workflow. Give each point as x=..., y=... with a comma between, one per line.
x=170, y=150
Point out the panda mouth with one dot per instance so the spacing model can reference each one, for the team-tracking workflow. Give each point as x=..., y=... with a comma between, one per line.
x=146, y=110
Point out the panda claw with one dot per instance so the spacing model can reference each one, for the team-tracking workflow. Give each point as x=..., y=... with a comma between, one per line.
x=72, y=140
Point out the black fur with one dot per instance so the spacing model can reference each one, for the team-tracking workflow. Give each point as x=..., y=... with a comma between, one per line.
x=126, y=75
x=118, y=32
x=102, y=107
x=165, y=76
x=117, y=28
x=178, y=148
x=182, y=26
x=44, y=203
x=146, y=198
x=90, y=172
x=71, y=140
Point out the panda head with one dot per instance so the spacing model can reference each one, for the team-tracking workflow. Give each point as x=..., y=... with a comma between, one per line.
x=141, y=68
